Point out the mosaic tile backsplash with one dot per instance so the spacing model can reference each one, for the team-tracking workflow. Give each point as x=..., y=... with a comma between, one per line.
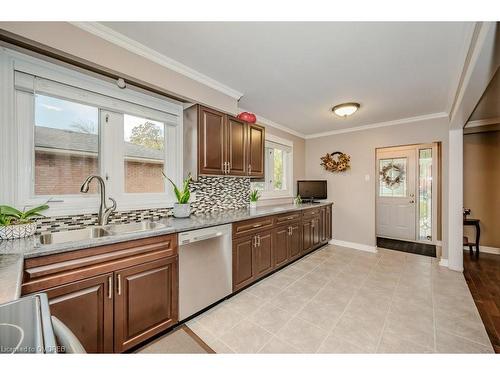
x=212, y=194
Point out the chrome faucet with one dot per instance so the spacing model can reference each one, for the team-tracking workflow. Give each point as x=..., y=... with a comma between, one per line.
x=104, y=211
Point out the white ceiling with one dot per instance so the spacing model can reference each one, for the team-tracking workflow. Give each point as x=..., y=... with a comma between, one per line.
x=293, y=73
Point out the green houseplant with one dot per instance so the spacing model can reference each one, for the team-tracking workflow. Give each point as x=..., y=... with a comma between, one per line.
x=182, y=208
x=17, y=224
x=254, y=197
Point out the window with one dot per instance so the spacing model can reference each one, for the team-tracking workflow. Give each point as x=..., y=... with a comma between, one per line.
x=144, y=155
x=425, y=193
x=392, y=177
x=278, y=169
x=69, y=126
x=66, y=145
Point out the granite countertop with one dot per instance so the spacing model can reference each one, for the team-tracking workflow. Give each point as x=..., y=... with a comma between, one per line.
x=13, y=252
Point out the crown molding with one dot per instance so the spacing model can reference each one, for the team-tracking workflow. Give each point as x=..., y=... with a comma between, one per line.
x=402, y=121
x=264, y=121
x=483, y=122
x=140, y=49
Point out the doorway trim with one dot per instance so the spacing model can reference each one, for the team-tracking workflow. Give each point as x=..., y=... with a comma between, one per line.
x=436, y=231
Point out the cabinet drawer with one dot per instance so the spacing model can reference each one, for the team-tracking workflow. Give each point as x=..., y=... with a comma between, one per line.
x=289, y=217
x=311, y=212
x=252, y=226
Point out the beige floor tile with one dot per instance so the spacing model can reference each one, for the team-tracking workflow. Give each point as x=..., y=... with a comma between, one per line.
x=246, y=337
x=207, y=336
x=220, y=320
x=449, y=343
x=417, y=330
x=471, y=327
x=271, y=318
x=302, y=335
x=321, y=314
x=264, y=290
x=362, y=330
x=279, y=280
x=336, y=345
x=277, y=346
x=393, y=343
x=244, y=303
x=289, y=301
x=331, y=296
x=220, y=348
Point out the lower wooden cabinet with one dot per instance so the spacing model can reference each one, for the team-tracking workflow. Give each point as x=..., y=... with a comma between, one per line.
x=145, y=301
x=243, y=263
x=276, y=241
x=112, y=297
x=86, y=307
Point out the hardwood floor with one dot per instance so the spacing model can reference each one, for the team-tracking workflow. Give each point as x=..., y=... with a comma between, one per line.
x=483, y=279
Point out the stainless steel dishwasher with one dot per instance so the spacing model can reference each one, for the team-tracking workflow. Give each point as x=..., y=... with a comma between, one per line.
x=205, y=268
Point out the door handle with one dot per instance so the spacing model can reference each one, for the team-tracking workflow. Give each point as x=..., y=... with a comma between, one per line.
x=258, y=240
x=228, y=167
x=110, y=287
x=254, y=241
x=119, y=284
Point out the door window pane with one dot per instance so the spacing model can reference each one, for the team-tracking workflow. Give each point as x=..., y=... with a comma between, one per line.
x=425, y=194
x=66, y=145
x=144, y=155
x=278, y=181
x=392, y=177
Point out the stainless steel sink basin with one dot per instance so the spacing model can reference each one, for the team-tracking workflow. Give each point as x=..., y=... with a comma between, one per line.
x=73, y=235
x=97, y=232
x=134, y=227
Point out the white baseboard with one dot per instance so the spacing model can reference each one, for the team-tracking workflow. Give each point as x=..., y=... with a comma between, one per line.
x=443, y=262
x=486, y=249
x=354, y=245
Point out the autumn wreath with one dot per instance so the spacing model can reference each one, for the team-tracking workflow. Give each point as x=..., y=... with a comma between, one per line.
x=392, y=175
x=336, y=162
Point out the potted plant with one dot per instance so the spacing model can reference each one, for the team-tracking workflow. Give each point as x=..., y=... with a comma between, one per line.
x=254, y=197
x=182, y=208
x=18, y=224
x=298, y=200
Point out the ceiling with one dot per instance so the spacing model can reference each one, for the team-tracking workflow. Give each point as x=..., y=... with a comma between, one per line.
x=293, y=73
x=489, y=104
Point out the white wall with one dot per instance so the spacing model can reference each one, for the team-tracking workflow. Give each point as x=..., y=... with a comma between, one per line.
x=353, y=196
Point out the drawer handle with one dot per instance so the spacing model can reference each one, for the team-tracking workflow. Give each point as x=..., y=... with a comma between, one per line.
x=110, y=287
x=256, y=225
x=119, y=284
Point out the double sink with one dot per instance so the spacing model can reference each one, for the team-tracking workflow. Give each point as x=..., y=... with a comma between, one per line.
x=98, y=232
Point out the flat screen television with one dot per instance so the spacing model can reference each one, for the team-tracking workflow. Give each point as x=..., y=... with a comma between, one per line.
x=309, y=190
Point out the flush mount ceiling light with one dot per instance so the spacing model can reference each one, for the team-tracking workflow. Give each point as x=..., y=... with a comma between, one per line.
x=345, y=109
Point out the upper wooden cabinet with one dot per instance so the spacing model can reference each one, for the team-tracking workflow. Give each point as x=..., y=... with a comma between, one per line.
x=256, y=146
x=225, y=144
x=211, y=142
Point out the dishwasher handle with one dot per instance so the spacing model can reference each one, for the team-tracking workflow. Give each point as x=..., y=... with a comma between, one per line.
x=185, y=241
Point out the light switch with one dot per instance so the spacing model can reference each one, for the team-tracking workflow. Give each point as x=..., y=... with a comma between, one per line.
x=367, y=177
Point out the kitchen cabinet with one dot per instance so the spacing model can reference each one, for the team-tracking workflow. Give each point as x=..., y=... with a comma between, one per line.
x=86, y=308
x=256, y=147
x=263, y=252
x=328, y=222
x=212, y=141
x=225, y=145
x=112, y=297
x=236, y=147
x=145, y=301
x=264, y=244
x=243, y=261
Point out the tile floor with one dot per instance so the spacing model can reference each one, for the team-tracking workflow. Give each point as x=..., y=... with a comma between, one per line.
x=340, y=300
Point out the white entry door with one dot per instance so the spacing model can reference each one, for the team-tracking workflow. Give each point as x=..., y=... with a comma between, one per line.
x=396, y=208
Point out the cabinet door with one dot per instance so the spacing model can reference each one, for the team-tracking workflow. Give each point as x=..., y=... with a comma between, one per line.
x=322, y=224
x=145, y=301
x=236, y=146
x=280, y=242
x=86, y=307
x=307, y=235
x=295, y=241
x=328, y=222
x=264, y=262
x=211, y=141
x=256, y=142
x=243, y=263
x=316, y=230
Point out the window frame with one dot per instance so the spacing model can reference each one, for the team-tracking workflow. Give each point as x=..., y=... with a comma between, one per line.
x=54, y=80
x=286, y=146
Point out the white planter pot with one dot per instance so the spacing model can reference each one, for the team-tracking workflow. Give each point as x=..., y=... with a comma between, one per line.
x=253, y=204
x=182, y=210
x=11, y=232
